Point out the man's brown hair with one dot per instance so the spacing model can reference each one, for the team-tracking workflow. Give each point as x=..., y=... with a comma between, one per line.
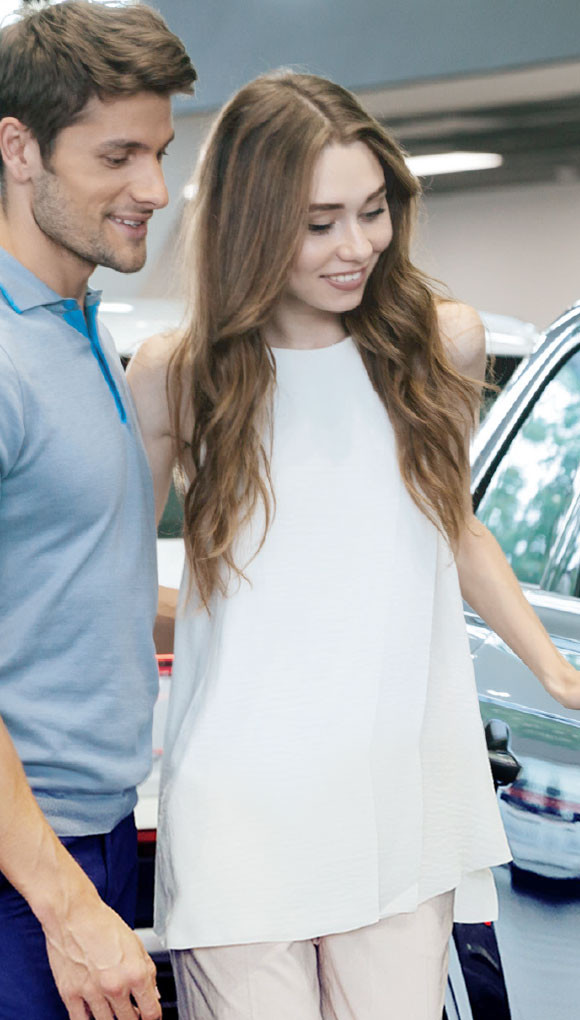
x=57, y=57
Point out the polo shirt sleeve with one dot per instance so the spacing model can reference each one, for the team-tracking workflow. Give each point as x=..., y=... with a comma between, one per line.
x=11, y=416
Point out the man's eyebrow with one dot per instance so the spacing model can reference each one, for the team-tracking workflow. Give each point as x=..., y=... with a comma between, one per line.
x=329, y=206
x=127, y=143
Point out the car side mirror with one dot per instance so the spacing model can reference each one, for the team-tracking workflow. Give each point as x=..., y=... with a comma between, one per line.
x=505, y=768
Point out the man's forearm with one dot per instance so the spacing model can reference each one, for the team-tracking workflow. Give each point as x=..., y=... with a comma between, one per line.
x=31, y=856
x=98, y=963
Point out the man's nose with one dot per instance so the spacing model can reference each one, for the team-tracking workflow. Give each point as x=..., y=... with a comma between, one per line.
x=149, y=187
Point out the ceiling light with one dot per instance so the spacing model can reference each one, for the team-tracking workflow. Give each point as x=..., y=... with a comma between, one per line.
x=452, y=162
x=427, y=166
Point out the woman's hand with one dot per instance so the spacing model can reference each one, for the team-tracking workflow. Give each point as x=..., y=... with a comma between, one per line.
x=563, y=684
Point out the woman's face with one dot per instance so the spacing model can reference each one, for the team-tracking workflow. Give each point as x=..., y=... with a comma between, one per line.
x=348, y=227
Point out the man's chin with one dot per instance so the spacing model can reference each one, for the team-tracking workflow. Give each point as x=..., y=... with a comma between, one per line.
x=126, y=263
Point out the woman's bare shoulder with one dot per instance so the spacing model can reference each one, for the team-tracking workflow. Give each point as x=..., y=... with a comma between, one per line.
x=147, y=377
x=155, y=353
x=463, y=334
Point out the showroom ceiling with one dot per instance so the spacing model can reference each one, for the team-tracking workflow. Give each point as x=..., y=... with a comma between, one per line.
x=539, y=141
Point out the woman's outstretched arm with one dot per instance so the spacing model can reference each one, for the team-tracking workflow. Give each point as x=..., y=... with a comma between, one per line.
x=487, y=581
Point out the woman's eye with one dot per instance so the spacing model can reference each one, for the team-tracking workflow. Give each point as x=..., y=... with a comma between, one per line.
x=374, y=213
x=319, y=228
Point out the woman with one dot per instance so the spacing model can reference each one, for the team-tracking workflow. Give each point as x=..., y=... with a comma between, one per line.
x=327, y=806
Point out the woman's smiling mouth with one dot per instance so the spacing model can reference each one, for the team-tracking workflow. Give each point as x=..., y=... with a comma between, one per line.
x=346, y=281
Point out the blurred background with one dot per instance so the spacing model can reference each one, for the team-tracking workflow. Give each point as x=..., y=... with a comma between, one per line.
x=495, y=77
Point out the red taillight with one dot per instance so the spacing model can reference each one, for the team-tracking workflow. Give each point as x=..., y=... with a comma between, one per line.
x=543, y=801
x=165, y=664
x=147, y=836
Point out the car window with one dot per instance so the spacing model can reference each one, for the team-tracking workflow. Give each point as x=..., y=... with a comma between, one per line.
x=532, y=494
x=564, y=575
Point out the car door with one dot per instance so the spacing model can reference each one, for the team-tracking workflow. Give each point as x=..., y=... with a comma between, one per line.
x=527, y=491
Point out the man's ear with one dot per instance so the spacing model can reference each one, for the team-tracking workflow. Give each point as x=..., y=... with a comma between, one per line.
x=19, y=149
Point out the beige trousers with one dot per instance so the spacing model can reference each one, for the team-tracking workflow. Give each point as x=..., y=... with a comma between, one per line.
x=393, y=970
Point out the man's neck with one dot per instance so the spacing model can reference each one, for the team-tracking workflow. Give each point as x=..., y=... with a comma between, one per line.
x=59, y=269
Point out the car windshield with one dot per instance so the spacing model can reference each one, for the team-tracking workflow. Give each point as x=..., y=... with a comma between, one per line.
x=538, y=481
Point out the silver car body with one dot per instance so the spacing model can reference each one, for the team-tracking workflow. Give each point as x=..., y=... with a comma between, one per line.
x=526, y=486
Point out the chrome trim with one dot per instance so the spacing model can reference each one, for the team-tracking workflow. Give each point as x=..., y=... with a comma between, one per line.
x=457, y=1005
x=537, y=713
x=552, y=600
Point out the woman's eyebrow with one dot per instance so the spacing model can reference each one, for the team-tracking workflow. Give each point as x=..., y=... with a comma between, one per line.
x=329, y=206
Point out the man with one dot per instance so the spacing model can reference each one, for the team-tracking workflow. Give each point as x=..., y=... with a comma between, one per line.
x=85, y=118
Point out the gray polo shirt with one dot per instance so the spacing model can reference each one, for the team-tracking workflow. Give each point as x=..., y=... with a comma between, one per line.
x=78, y=586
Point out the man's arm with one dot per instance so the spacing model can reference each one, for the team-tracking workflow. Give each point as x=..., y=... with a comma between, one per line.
x=96, y=960
x=487, y=581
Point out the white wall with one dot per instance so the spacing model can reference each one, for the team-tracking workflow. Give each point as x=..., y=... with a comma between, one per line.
x=514, y=250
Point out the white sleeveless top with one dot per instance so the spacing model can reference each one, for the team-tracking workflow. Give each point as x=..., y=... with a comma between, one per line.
x=325, y=762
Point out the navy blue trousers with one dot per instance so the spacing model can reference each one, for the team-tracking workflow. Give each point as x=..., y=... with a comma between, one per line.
x=27, y=988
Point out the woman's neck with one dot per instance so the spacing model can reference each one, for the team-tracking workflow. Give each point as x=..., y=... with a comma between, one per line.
x=304, y=330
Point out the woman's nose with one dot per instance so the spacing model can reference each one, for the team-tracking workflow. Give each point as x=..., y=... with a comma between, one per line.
x=355, y=244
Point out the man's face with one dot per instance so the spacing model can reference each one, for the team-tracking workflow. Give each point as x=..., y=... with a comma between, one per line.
x=103, y=181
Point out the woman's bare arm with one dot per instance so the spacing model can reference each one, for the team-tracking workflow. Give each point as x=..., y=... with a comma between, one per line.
x=146, y=375
x=487, y=581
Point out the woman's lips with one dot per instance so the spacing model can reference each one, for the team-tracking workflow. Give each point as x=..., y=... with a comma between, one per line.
x=346, y=281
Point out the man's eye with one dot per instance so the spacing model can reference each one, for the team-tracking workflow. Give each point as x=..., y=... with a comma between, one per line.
x=162, y=154
x=319, y=228
x=114, y=161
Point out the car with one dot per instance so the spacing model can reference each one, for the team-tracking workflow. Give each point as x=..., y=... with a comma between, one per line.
x=509, y=341
x=526, y=489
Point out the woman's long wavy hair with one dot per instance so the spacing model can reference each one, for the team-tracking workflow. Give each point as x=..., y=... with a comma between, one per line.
x=242, y=233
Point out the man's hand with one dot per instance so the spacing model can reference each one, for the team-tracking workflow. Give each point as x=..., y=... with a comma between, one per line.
x=100, y=966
